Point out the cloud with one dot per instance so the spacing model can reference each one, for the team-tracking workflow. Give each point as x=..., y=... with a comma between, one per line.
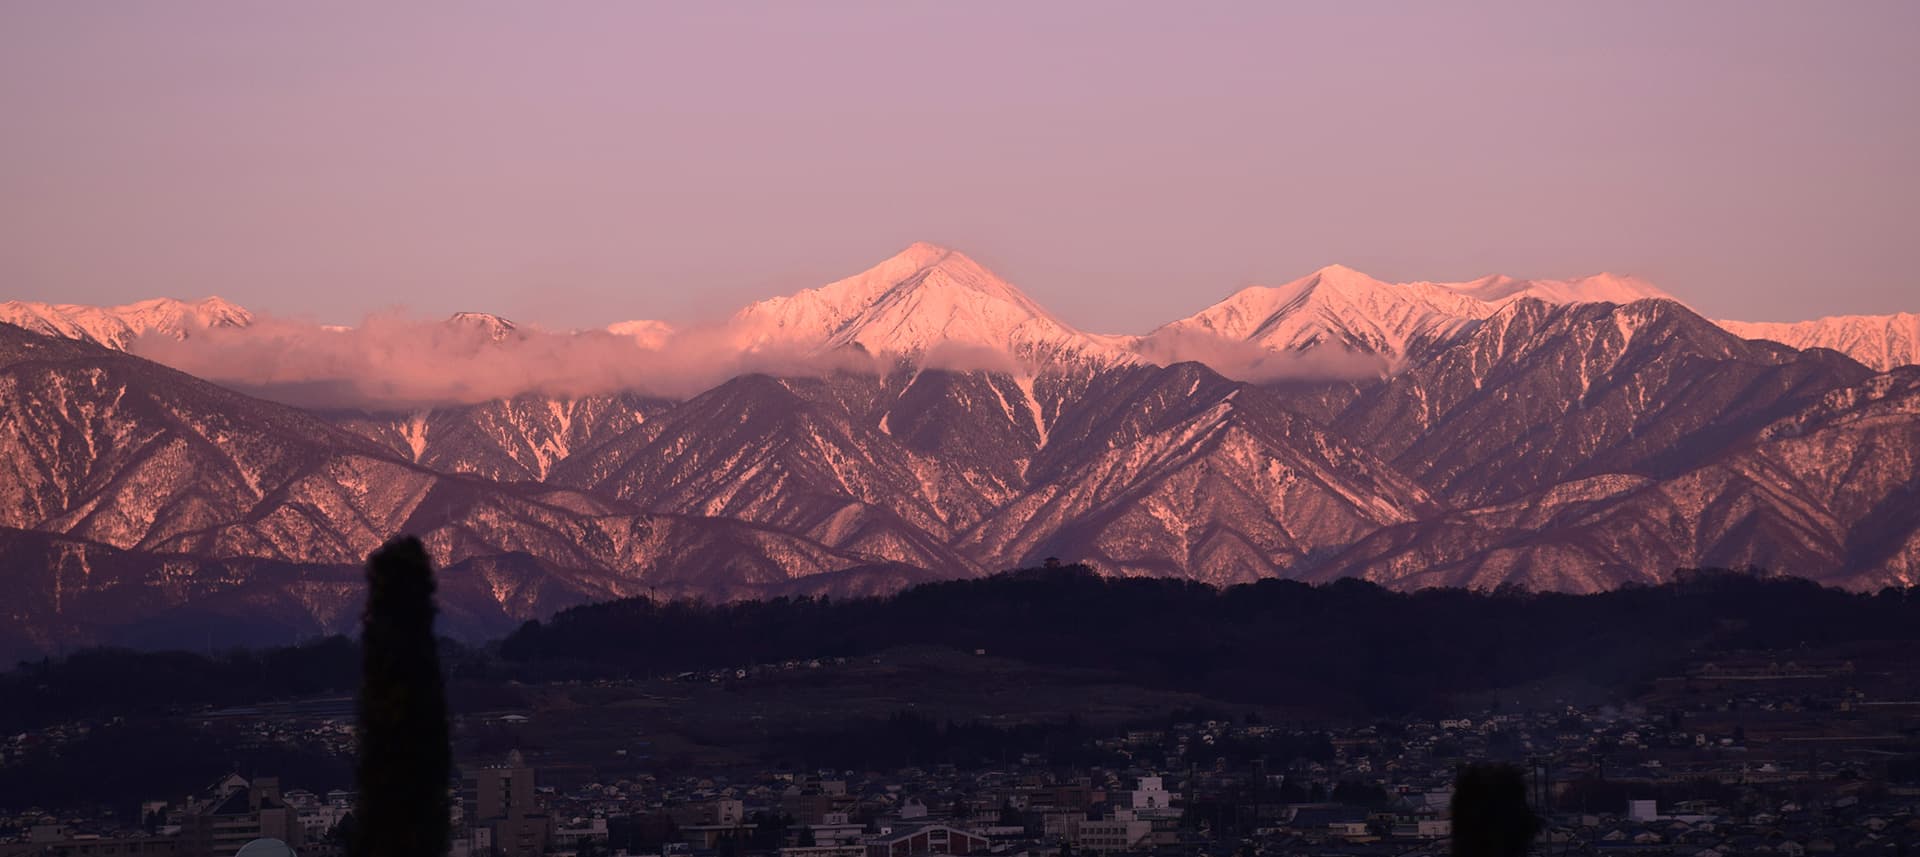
x=391, y=362
x=1244, y=361
x=961, y=357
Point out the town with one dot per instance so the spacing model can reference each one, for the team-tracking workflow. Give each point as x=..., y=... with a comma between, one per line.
x=1743, y=755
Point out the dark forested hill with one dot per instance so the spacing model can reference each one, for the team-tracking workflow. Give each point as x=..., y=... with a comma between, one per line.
x=1347, y=646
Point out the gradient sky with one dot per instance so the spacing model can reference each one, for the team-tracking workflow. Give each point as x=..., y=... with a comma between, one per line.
x=1126, y=164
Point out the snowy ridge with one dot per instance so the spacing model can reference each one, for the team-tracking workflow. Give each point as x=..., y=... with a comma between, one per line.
x=1339, y=306
x=1561, y=446
x=1342, y=307
x=1879, y=341
x=1597, y=288
x=944, y=309
x=116, y=327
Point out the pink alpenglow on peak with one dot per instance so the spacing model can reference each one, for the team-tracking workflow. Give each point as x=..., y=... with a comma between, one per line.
x=925, y=300
x=1335, y=306
x=1610, y=288
x=1339, y=310
x=1880, y=341
x=928, y=304
x=494, y=327
x=118, y=326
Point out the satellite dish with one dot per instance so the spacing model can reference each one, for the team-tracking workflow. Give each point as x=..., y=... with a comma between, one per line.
x=265, y=848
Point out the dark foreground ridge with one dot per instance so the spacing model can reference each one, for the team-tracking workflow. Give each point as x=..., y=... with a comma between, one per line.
x=1344, y=647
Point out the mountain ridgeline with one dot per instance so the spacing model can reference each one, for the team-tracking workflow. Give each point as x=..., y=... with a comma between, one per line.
x=1556, y=435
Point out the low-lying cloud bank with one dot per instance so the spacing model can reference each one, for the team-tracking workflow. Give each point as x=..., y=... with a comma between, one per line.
x=392, y=362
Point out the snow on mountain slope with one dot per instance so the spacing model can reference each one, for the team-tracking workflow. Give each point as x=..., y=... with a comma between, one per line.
x=1337, y=306
x=1399, y=322
x=1823, y=492
x=924, y=299
x=505, y=440
x=1564, y=434
x=1538, y=394
x=117, y=327
x=1879, y=341
x=102, y=448
x=751, y=449
x=495, y=328
x=1179, y=472
x=1597, y=288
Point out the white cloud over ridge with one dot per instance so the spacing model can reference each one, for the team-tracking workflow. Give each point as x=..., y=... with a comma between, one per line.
x=394, y=362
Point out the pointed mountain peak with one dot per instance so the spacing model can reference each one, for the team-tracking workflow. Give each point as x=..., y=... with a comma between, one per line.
x=920, y=299
x=219, y=312
x=924, y=265
x=216, y=303
x=923, y=253
x=1338, y=271
x=1340, y=307
x=1338, y=277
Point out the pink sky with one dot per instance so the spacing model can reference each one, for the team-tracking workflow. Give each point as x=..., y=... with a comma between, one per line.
x=1126, y=164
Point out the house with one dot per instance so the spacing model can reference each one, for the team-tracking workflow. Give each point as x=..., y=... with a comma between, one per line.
x=1150, y=794
x=1342, y=821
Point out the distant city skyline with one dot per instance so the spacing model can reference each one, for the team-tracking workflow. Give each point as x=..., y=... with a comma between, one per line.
x=1122, y=164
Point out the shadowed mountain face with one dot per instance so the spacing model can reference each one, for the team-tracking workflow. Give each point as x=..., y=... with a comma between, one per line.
x=1537, y=395
x=1561, y=445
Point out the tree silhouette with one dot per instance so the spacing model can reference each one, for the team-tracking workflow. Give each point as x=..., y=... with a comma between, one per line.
x=405, y=758
x=1490, y=813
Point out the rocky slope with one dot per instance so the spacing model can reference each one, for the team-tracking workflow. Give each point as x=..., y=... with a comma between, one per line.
x=936, y=422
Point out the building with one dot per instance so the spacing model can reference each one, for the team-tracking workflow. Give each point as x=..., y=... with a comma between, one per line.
x=824, y=851
x=724, y=812
x=912, y=840
x=835, y=828
x=1123, y=832
x=235, y=812
x=58, y=842
x=592, y=833
x=502, y=811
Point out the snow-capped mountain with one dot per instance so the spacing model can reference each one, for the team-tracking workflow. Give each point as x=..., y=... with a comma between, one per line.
x=1822, y=491
x=1557, y=434
x=1597, y=288
x=192, y=492
x=919, y=301
x=1540, y=394
x=1340, y=307
x=1879, y=341
x=117, y=327
x=493, y=327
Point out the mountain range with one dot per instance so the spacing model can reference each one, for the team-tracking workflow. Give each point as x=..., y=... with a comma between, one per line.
x=1570, y=435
